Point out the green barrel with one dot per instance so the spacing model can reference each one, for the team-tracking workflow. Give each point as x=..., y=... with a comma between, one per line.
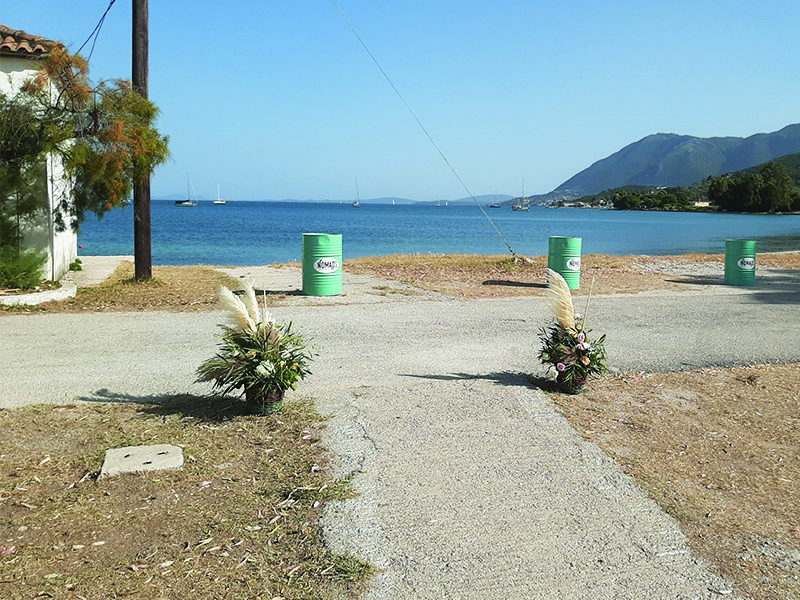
x=564, y=258
x=740, y=262
x=322, y=264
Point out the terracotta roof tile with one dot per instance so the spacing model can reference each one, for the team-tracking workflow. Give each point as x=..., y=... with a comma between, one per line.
x=20, y=43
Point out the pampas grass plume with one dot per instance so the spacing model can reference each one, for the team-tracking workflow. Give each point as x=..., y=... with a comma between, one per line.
x=250, y=302
x=238, y=314
x=563, y=309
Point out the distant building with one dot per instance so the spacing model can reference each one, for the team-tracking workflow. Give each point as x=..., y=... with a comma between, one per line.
x=19, y=52
x=702, y=204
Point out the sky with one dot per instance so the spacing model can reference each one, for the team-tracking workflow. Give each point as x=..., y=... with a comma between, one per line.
x=274, y=100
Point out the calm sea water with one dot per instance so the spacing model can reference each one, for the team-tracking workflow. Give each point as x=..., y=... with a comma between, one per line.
x=257, y=233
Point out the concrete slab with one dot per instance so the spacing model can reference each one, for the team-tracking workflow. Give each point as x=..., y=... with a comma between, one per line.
x=135, y=459
x=65, y=291
x=95, y=270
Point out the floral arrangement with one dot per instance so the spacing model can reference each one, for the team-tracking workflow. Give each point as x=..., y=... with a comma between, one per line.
x=262, y=357
x=566, y=346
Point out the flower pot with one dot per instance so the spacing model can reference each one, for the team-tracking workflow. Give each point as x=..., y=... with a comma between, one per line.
x=266, y=404
x=573, y=387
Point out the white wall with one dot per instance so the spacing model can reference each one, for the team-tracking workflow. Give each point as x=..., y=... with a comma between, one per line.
x=62, y=248
x=15, y=71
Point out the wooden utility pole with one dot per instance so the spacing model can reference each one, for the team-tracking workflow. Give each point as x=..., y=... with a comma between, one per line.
x=143, y=260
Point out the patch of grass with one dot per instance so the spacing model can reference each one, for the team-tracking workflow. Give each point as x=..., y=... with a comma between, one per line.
x=184, y=288
x=240, y=520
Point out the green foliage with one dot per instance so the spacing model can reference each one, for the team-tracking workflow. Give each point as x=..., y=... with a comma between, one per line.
x=103, y=135
x=770, y=189
x=790, y=161
x=105, y=164
x=269, y=358
x=572, y=354
x=21, y=269
x=671, y=199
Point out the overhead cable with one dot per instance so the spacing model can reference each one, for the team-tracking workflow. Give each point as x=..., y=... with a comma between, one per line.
x=424, y=130
x=96, y=32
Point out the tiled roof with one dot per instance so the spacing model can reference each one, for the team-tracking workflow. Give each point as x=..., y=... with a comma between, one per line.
x=20, y=43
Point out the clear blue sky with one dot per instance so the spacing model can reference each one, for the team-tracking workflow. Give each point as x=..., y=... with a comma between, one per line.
x=278, y=100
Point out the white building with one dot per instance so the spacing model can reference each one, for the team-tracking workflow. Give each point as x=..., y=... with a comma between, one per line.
x=19, y=52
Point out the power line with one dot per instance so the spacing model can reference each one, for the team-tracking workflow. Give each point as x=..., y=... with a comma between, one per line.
x=424, y=130
x=96, y=32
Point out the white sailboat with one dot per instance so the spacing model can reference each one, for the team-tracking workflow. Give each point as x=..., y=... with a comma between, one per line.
x=357, y=203
x=219, y=200
x=523, y=203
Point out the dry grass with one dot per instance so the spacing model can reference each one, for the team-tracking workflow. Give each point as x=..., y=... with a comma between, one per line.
x=238, y=521
x=172, y=288
x=719, y=449
x=475, y=276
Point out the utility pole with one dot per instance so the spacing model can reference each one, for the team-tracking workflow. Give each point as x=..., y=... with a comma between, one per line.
x=143, y=260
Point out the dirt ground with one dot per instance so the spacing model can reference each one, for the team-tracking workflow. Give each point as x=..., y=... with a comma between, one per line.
x=473, y=276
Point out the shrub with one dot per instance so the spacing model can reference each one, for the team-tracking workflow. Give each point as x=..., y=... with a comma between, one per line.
x=21, y=269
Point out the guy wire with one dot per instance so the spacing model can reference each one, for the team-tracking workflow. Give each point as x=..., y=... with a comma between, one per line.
x=421, y=126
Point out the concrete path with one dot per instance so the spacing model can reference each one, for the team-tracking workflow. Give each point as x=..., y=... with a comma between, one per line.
x=471, y=485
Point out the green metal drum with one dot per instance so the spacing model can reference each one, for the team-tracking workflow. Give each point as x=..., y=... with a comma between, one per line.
x=322, y=264
x=564, y=258
x=740, y=262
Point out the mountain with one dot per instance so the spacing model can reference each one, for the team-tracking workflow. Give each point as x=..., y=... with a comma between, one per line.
x=668, y=159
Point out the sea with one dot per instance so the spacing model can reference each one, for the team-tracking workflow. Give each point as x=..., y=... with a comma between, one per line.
x=242, y=233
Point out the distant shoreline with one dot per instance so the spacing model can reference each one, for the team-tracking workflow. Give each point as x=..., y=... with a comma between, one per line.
x=695, y=256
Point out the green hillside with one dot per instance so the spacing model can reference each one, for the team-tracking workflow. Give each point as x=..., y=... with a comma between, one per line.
x=773, y=186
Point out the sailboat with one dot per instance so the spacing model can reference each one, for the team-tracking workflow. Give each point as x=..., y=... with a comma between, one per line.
x=523, y=203
x=189, y=194
x=219, y=200
x=357, y=203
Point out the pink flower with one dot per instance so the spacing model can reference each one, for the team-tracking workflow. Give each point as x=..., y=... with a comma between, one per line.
x=561, y=366
x=581, y=337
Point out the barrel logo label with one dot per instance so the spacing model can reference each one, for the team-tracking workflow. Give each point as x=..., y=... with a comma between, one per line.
x=574, y=264
x=748, y=263
x=326, y=265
